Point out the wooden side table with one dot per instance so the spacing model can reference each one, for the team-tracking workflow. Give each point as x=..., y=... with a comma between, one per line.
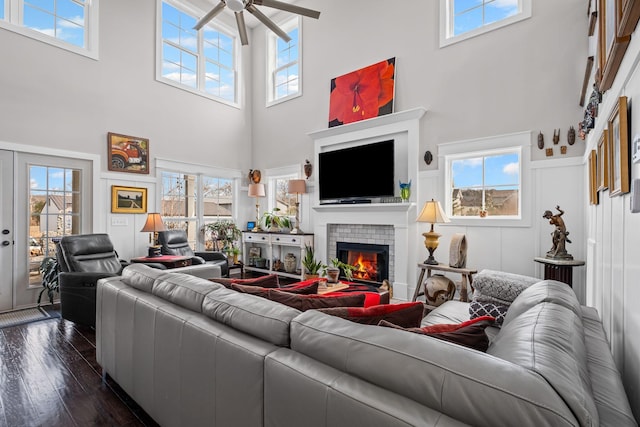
x=559, y=269
x=169, y=261
x=466, y=273
x=237, y=266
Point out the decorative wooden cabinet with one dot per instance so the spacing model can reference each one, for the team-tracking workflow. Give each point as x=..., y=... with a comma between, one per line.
x=260, y=250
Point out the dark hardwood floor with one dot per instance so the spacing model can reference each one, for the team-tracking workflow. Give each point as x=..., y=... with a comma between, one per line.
x=49, y=377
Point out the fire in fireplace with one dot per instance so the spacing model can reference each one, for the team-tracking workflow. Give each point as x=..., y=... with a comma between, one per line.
x=371, y=260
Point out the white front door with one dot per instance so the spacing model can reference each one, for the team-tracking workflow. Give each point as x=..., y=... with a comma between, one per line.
x=6, y=230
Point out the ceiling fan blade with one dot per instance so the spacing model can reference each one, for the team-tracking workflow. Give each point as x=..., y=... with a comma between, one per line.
x=288, y=8
x=209, y=16
x=242, y=28
x=268, y=22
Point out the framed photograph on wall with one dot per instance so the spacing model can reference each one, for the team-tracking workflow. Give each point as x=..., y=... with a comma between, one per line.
x=593, y=186
x=629, y=16
x=618, y=139
x=611, y=46
x=127, y=153
x=603, y=161
x=128, y=199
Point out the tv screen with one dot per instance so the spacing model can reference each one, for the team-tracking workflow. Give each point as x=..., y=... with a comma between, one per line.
x=361, y=172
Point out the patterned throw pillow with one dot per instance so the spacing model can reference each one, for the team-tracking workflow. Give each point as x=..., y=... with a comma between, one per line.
x=470, y=333
x=479, y=309
x=406, y=315
x=308, y=302
x=268, y=281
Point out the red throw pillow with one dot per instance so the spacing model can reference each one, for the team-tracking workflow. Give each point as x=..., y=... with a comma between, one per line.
x=302, y=288
x=406, y=315
x=249, y=289
x=307, y=302
x=469, y=334
x=268, y=281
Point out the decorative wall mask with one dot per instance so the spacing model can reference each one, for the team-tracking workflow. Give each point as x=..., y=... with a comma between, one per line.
x=571, y=135
x=549, y=152
x=428, y=157
x=540, y=140
x=255, y=176
x=308, y=168
x=556, y=136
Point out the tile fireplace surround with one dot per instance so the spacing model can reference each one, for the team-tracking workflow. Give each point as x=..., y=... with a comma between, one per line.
x=387, y=223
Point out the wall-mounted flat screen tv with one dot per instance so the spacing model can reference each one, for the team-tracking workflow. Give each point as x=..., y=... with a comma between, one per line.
x=357, y=173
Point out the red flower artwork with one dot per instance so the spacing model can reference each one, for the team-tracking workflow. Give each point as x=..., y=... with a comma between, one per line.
x=362, y=94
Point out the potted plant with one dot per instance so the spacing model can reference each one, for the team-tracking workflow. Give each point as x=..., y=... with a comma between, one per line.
x=49, y=270
x=275, y=221
x=226, y=232
x=312, y=267
x=347, y=269
x=234, y=254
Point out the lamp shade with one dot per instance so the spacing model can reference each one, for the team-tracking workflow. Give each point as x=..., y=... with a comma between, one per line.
x=154, y=223
x=433, y=213
x=256, y=190
x=297, y=186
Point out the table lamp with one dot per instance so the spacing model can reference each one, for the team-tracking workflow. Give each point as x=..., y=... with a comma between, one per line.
x=152, y=226
x=432, y=213
x=257, y=191
x=297, y=187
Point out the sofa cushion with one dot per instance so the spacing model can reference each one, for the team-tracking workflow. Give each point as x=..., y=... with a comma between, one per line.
x=544, y=291
x=303, y=288
x=268, y=281
x=307, y=302
x=406, y=315
x=548, y=339
x=469, y=334
x=141, y=276
x=184, y=290
x=479, y=309
x=311, y=289
x=251, y=314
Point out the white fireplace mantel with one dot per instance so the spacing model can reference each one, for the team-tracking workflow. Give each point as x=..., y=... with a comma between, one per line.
x=404, y=128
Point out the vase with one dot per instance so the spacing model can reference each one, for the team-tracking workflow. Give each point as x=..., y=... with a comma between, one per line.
x=332, y=274
x=290, y=263
x=405, y=191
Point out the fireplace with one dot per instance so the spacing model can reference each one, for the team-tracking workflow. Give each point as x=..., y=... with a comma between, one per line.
x=371, y=260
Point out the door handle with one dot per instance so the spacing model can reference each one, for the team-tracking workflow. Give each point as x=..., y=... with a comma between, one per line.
x=6, y=243
x=5, y=231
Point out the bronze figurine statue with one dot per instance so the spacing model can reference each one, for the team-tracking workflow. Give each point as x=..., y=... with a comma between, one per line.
x=559, y=235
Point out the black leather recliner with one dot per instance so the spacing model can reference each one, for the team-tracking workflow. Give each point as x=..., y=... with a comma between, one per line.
x=83, y=260
x=175, y=242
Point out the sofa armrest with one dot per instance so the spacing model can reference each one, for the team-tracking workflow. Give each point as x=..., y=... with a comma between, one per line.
x=211, y=256
x=81, y=278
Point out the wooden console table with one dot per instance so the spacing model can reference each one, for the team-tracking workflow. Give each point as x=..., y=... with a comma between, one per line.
x=559, y=269
x=466, y=273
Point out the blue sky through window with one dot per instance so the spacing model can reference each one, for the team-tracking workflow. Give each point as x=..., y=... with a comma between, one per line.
x=1, y=9
x=499, y=170
x=472, y=14
x=61, y=19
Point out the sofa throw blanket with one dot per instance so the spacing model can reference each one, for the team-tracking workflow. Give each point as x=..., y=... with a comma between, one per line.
x=495, y=291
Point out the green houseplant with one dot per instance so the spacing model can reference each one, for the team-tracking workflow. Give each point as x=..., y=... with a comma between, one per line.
x=311, y=266
x=275, y=221
x=49, y=270
x=224, y=234
x=346, y=268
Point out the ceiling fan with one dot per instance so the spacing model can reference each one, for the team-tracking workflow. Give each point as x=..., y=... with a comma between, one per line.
x=237, y=6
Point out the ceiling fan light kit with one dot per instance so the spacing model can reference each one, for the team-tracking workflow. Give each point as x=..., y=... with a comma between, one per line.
x=238, y=6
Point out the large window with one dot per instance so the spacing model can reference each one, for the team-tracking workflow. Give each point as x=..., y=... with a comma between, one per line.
x=284, y=63
x=69, y=24
x=487, y=180
x=200, y=61
x=54, y=211
x=462, y=19
x=189, y=202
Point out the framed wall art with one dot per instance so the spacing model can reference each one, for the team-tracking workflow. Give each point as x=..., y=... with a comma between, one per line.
x=362, y=94
x=611, y=45
x=593, y=186
x=618, y=140
x=128, y=153
x=128, y=199
x=603, y=161
x=629, y=16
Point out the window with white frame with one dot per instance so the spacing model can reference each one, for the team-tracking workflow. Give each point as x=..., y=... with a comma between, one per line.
x=284, y=63
x=486, y=180
x=462, y=19
x=68, y=24
x=202, y=61
x=190, y=201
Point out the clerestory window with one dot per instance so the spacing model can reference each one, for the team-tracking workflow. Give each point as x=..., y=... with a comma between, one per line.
x=68, y=24
x=463, y=19
x=203, y=62
x=284, y=63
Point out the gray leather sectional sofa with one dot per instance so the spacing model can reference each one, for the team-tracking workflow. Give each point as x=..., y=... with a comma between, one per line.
x=192, y=352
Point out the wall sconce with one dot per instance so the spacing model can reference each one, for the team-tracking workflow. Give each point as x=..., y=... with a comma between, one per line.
x=257, y=191
x=297, y=187
x=153, y=225
x=432, y=213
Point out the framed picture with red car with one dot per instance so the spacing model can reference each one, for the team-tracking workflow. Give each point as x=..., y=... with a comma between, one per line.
x=128, y=153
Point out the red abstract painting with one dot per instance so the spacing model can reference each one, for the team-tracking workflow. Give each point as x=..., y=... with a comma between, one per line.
x=362, y=94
